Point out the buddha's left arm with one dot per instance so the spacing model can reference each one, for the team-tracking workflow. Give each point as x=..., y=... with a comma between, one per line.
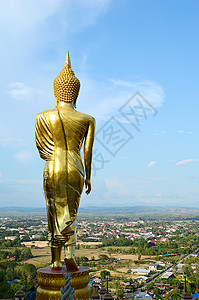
x=88, y=147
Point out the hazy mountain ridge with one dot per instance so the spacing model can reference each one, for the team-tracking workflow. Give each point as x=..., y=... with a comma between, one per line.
x=22, y=209
x=112, y=209
x=140, y=209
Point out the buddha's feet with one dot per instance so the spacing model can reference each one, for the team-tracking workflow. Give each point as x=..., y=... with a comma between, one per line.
x=71, y=265
x=56, y=266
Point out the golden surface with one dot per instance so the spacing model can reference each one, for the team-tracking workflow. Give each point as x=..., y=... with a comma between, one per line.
x=59, y=135
x=50, y=283
x=67, y=60
x=66, y=85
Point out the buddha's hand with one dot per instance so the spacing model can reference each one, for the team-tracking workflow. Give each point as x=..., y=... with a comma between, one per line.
x=88, y=186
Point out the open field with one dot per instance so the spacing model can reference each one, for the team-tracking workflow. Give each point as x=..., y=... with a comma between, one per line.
x=42, y=256
x=40, y=244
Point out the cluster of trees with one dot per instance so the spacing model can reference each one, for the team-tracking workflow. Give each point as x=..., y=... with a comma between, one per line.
x=177, y=284
x=85, y=262
x=116, y=242
x=102, y=262
x=4, y=244
x=175, y=245
x=5, y=289
x=192, y=277
x=9, y=271
x=19, y=254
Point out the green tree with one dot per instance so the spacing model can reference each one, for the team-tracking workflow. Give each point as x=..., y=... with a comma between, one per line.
x=104, y=273
x=10, y=274
x=150, y=286
x=104, y=257
x=5, y=290
x=156, y=291
x=25, y=253
x=29, y=271
x=174, y=294
x=16, y=252
x=15, y=287
x=120, y=293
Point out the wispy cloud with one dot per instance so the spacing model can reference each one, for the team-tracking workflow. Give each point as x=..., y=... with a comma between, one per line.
x=111, y=95
x=13, y=188
x=10, y=142
x=1, y=175
x=186, y=161
x=130, y=188
x=24, y=157
x=21, y=181
x=151, y=90
x=20, y=91
x=152, y=163
x=185, y=132
x=23, y=22
x=29, y=181
x=117, y=186
x=160, y=133
x=122, y=83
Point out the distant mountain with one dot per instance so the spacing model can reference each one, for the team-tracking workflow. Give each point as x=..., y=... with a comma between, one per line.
x=139, y=209
x=22, y=209
x=112, y=210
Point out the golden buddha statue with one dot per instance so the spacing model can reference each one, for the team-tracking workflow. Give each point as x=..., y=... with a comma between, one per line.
x=59, y=135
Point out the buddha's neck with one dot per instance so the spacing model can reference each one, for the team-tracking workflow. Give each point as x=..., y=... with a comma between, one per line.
x=68, y=105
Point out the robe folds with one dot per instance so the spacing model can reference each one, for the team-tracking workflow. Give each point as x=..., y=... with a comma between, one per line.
x=59, y=138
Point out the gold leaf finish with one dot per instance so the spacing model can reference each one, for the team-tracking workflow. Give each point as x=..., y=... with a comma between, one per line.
x=50, y=283
x=59, y=134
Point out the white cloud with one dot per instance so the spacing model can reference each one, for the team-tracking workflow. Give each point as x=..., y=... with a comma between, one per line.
x=24, y=156
x=24, y=22
x=122, y=83
x=116, y=185
x=29, y=181
x=186, y=161
x=160, y=133
x=1, y=175
x=152, y=163
x=26, y=14
x=10, y=142
x=21, y=181
x=185, y=132
x=111, y=95
x=20, y=91
x=129, y=188
x=152, y=91
x=86, y=12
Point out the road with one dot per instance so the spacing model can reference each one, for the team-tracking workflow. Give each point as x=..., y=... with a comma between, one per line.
x=152, y=279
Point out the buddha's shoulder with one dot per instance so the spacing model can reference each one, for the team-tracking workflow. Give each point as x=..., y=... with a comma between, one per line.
x=85, y=117
x=47, y=112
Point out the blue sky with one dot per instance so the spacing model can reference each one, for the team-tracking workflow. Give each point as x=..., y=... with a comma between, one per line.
x=127, y=55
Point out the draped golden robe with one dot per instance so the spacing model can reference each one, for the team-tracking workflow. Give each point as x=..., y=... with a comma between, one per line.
x=59, y=135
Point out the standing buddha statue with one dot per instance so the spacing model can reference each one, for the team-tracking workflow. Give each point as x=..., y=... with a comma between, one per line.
x=59, y=134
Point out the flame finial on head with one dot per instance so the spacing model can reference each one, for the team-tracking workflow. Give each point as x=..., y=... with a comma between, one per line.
x=67, y=60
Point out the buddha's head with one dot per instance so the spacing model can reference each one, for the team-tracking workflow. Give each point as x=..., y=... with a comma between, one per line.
x=66, y=85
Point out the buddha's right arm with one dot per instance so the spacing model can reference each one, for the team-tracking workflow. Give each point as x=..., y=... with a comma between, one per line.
x=43, y=137
x=88, y=147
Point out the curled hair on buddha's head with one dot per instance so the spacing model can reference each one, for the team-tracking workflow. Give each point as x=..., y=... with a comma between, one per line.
x=66, y=85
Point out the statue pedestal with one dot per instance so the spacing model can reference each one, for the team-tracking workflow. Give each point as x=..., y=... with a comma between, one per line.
x=50, y=282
